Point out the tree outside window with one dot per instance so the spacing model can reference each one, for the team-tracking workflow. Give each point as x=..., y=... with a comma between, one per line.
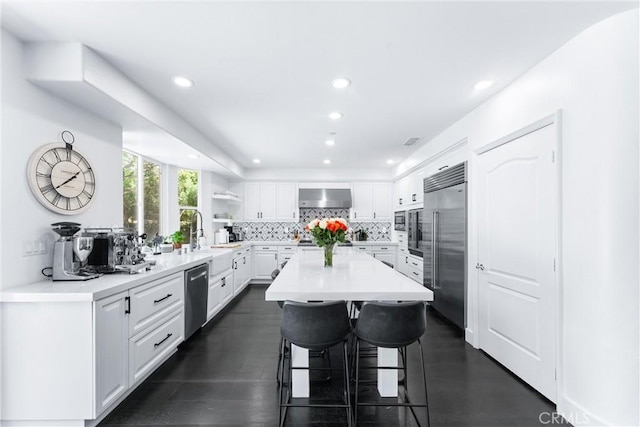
x=130, y=190
x=187, y=200
x=141, y=203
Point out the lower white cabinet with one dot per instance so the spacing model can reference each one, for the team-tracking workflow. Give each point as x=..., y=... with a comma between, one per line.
x=112, y=367
x=385, y=253
x=285, y=253
x=265, y=260
x=148, y=349
x=220, y=292
x=415, y=268
x=241, y=270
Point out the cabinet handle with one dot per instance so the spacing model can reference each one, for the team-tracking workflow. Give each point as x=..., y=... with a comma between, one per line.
x=276, y=256
x=413, y=197
x=265, y=248
x=293, y=216
x=244, y=260
x=155, y=301
x=224, y=282
x=415, y=273
x=384, y=249
x=445, y=166
x=162, y=340
x=374, y=215
x=127, y=302
x=400, y=201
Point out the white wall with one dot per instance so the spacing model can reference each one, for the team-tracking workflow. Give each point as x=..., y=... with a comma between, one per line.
x=594, y=80
x=31, y=118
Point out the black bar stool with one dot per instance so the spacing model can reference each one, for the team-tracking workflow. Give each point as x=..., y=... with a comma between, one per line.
x=391, y=325
x=314, y=326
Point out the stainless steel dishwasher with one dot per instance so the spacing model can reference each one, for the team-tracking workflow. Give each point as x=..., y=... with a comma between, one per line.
x=196, y=287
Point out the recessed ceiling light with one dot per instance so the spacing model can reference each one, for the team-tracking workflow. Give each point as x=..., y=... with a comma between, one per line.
x=340, y=83
x=193, y=156
x=256, y=160
x=182, y=81
x=326, y=161
x=483, y=84
x=330, y=142
x=335, y=115
x=389, y=162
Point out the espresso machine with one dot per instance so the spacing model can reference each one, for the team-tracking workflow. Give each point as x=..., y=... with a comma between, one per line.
x=70, y=253
x=117, y=250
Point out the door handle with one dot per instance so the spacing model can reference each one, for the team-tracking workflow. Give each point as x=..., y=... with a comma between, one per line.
x=434, y=251
x=204, y=273
x=127, y=301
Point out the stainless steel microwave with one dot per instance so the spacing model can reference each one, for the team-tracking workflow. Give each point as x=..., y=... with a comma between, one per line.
x=400, y=221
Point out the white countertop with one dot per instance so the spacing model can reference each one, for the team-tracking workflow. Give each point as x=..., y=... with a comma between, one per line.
x=108, y=284
x=354, y=276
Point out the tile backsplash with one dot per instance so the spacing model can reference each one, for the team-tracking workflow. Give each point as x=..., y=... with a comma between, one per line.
x=279, y=231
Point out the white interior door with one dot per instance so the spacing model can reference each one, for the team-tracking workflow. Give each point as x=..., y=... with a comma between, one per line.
x=517, y=216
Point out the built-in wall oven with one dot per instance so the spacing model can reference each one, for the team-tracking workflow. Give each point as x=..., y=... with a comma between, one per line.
x=400, y=221
x=414, y=232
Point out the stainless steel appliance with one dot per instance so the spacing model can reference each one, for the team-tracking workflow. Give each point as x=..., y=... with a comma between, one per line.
x=415, y=241
x=70, y=253
x=445, y=238
x=116, y=250
x=196, y=287
x=400, y=221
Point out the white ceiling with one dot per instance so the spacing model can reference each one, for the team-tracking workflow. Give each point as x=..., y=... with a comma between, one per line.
x=262, y=69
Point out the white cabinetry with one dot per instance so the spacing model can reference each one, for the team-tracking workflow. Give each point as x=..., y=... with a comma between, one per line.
x=402, y=194
x=285, y=253
x=384, y=253
x=372, y=201
x=112, y=364
x=265, y=260
x=379, y=252
x=220, y=283
x=287, y=201
x=156, y=324
x=260, y=201
x=456, y=154
x=416, y=186
x=415, y=268
x=270, y=201
x=103, y=348
x=241, y=269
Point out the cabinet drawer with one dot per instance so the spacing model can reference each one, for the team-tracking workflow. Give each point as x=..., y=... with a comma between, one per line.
x=403, y=250
x=266, y=248
x=150, y=302
x=361, y=248
x=415, y=263
x=220, y=264
x=416, y=274
x=289, y=248
x=149, y=350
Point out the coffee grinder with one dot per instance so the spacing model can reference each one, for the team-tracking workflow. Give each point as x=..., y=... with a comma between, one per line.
x=70, y=253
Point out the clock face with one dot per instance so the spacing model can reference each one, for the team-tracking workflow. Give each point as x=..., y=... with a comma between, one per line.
x=61, y=179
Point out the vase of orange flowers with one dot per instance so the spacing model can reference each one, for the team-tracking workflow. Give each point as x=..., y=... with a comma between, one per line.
x=327, y=232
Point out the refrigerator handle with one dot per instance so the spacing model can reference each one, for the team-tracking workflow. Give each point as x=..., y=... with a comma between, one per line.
x=434, y=251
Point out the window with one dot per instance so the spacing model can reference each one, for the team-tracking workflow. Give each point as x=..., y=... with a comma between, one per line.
x=130, y=190
x=187, y=200
x=141, y=203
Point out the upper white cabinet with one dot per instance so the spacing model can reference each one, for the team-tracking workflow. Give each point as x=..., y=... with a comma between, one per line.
x=408, y=190
x=269, y=201
x=287, y=202
x=260, y=200
x=446, y=160
x=372, y=201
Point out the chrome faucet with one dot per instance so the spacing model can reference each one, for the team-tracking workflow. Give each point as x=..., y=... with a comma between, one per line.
x=200, y=231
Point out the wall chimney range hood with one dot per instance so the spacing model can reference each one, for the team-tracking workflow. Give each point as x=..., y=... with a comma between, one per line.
x=324, y=198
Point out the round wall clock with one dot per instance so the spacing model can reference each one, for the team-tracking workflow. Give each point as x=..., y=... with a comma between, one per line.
x=60, y=178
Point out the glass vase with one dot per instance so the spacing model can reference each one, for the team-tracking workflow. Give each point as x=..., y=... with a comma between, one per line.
x=328, y=255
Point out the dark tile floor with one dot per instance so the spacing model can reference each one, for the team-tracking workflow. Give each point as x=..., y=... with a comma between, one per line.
x=225, y=376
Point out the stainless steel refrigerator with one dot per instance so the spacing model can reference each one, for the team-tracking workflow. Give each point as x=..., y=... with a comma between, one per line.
x=444, y=228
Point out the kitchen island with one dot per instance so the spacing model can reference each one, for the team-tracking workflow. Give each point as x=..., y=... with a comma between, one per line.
x=354, y=277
